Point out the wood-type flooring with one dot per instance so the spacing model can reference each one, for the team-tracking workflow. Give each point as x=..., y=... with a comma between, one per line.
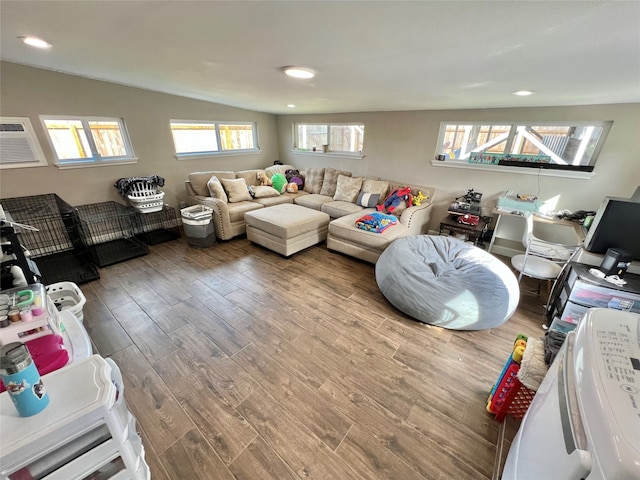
x=239, y=363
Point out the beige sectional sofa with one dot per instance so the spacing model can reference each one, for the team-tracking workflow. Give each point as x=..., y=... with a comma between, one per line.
x=331, y=191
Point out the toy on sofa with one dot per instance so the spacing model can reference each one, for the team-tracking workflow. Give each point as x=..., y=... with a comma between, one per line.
x=418, y=199
x=263, y=179
x=292, y=187
x=395, y=198
x=279, y=182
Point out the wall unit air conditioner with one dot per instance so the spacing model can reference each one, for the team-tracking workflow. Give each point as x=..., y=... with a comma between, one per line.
x=19, y=146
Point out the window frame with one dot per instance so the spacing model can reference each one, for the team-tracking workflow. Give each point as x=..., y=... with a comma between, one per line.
x=347, y=153
x=220, y=152
x=582, y=170
x=96, y=159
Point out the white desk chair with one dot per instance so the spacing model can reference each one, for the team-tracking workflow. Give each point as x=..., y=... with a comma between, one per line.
x=542, y=260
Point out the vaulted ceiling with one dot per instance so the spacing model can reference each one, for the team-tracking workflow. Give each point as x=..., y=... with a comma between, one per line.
x=369, y=56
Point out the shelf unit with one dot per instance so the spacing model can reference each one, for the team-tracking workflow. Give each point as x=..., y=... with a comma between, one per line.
x=580, y=291
x=85, y=432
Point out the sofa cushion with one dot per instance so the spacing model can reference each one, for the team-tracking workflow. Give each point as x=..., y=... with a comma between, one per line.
x=236, y=189
x=345, y=228
x=313, y=200
x=199, y=180
x=270, y=201
x=250, y=176
x=348, y=188
x=368, y=200
x=330, y=181
x=313, y=178
x=337, y=209
x=381, y=187
x=264, y=191
x=238, y=209
x=216, y=190
x=273, y=169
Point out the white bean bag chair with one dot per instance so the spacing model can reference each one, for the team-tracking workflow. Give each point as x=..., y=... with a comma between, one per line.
x=445, y=282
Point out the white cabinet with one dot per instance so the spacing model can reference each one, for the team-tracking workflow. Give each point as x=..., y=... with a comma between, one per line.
x=86, y=432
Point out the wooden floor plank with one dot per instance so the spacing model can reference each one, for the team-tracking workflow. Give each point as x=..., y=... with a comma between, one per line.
x=239, y=363
x=193, y=458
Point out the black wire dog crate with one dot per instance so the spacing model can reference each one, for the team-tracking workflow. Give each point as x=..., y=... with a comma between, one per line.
x=109, y=230
x=156, y=227
x=58, y=247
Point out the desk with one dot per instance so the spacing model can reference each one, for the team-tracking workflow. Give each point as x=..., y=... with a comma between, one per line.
x=473, y=232
x=509, y=230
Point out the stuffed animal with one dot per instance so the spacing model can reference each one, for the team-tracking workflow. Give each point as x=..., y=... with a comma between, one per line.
x=292, y=187
x=294, y=176
x=418, y=199
x=263, y=179
x=395, y=198
x=279, y=182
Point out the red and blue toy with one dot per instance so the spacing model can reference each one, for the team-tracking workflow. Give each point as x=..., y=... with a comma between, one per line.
x=395, y=198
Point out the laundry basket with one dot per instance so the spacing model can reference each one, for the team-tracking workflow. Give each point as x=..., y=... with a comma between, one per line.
x=142, y=193
x=67, y=296
x=145, y=197
x=198, y=226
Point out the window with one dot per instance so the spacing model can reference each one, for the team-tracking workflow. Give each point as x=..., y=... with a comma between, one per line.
x=203, y=138
x=19, y=146
x=88, y=141
x=337, y=138
x=562, y=146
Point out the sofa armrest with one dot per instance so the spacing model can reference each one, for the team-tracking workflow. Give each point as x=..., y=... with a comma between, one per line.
x=417, y=218
x=221, y=218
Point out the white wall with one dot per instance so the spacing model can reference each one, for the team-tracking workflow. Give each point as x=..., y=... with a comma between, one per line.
x=401, y=145
x=398, y=145
x=30, y=92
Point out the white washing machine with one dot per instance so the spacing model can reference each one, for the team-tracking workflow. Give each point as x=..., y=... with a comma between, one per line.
x=584, y=422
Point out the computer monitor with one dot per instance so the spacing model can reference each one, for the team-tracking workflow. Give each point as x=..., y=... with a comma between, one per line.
x=616, y=225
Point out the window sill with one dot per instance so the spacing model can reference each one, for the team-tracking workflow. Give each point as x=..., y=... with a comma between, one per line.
x=519, y=170
x=67, y=166
x=355, y=156
x=198, y=156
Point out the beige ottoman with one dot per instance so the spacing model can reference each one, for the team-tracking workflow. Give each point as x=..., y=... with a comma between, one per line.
x=287, y=228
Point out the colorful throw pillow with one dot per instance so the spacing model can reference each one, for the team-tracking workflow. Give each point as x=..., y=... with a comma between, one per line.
x=216, y=190
x=313, y=178
x=236, y=189
x=368, y=200
x=330, y=181
x=347, y=188
x=279, y=182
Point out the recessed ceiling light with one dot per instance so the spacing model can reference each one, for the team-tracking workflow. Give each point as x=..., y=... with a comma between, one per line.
x=299, y=72
x=524, y=93
x=291, y=105
x=35, y=42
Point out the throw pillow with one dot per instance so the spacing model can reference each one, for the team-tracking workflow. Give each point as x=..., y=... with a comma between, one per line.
x=347, y=188
x=313, y=178
x=330, y=181
x=236, y=189
x=368, y=200
x=381, y=187
x=216, y=190
x=264, y=191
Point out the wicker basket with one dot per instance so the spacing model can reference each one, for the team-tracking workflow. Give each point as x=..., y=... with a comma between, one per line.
x=145, y=197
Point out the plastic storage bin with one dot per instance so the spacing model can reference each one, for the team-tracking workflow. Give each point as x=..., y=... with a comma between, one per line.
x=198, y=226
x=67, y=296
